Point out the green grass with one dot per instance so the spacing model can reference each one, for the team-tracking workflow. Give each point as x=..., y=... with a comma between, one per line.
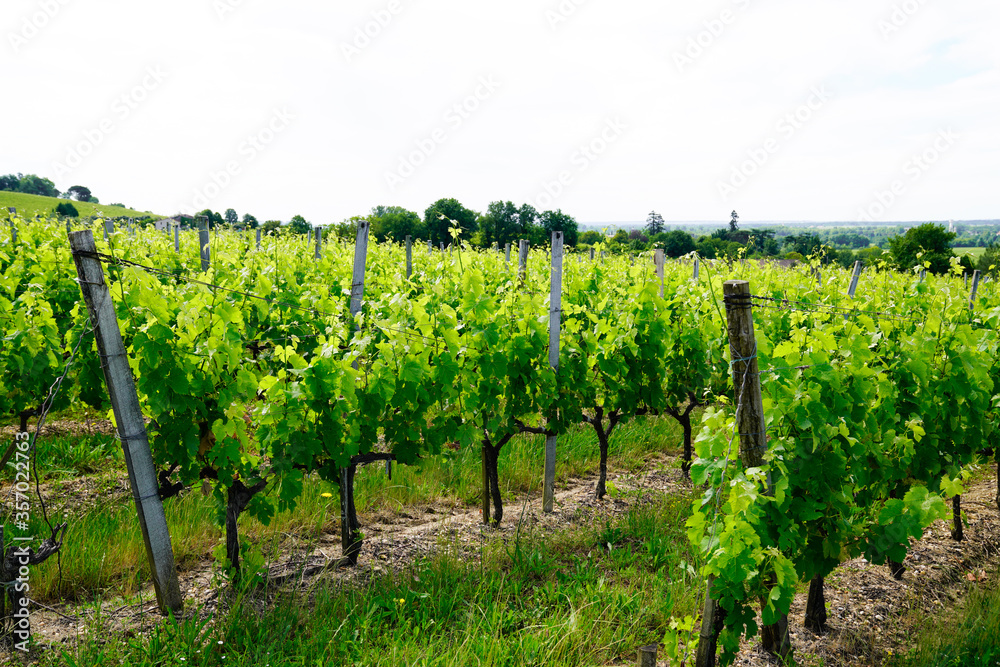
x=30, y=205
x=966, y=638
x=566, y=600
x=63, y=457
x=104, y=553
x=974, y=253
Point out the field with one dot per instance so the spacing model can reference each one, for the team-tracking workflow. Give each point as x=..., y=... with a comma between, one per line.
x=271, y=370
x=28, y=206
x=974, y=253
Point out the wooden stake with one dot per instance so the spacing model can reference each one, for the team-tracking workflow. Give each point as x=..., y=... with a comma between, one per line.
x=128, y=417
x=258, y=237
x=206, y=250
x=177, y=237
x=647, y=655
x=318, y=252
x=555, y=319
x=975, y=288
x=695, y=275
x=658, y=260
x=350, y=541
x=522, y=260
x=409, y=256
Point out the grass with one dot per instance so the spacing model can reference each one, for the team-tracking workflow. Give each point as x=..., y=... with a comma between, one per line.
x=567, y=600
x=974, y=253
x=104, y=552
x=30, y=205
x=966, y=638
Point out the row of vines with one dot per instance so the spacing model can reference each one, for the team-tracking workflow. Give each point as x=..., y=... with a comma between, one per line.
x=254, y=375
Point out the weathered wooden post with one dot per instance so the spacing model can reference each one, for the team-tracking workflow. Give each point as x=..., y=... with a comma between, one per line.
x=753, y=445
x=409, y=256
x=129, y=419
x=522, y=260
x=206, y=249
x=555, y=320
x=318, y=252
x=695, y=274
x=647, y=655
x=350, y=541
x=258, y=237
x=658, y=260
x=177, y=237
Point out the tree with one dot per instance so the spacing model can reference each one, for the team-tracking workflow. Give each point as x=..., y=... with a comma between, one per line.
x=678, y=243
x=500, y=224
x=557, y=221
x=67, y=209
x=299, y=225
x=249, y=221
x=590, y=237
x=231, y=217
x=79, y=193
x=212, y=217
x=395, y=223
x=931, y=241
x=527, y=221
x=36, y=185
x=734, y=220
x=438, y=217
x=271, y=225
x=654, y=223
x=9, y=183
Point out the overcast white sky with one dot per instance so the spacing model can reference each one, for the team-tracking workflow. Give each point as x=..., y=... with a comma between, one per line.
x=808, y=110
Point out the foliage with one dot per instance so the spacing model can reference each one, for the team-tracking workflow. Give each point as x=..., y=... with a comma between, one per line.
x=437, y=219
x=654, y=223
x=67, y=209
x=928, y=245
x=299, y=225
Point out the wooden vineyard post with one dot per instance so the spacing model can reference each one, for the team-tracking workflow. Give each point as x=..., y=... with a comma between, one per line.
x=430, y=247
x=128, y=417
x=854, y=279
x=591, y=254
x=177, y=237
x=658, y=261
x=753, y=445
x=695, y=273
x=258, y=237
x=318, y=253
x=13, y=227
x=409, y=256
x=647, y=655
x=349, y=527
x=109, y=228
x=975, y=288
x=522, y=260
x=205, y=245
x=506, y=249
x=555, y=320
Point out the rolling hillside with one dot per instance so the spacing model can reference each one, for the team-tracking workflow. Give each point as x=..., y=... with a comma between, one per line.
x=28, y=205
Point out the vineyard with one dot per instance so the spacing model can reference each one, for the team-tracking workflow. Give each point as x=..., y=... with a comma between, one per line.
x=821, y=415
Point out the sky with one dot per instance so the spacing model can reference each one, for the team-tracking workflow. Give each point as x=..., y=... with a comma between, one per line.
x=826, y=110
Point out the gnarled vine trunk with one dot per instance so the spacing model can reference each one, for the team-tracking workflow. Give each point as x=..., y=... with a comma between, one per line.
x=238, y=496
x=816, y=606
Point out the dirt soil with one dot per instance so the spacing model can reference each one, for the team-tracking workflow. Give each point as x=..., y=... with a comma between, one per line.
x=870, y=614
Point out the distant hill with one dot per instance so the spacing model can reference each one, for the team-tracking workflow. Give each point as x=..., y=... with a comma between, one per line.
x=30, y=205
